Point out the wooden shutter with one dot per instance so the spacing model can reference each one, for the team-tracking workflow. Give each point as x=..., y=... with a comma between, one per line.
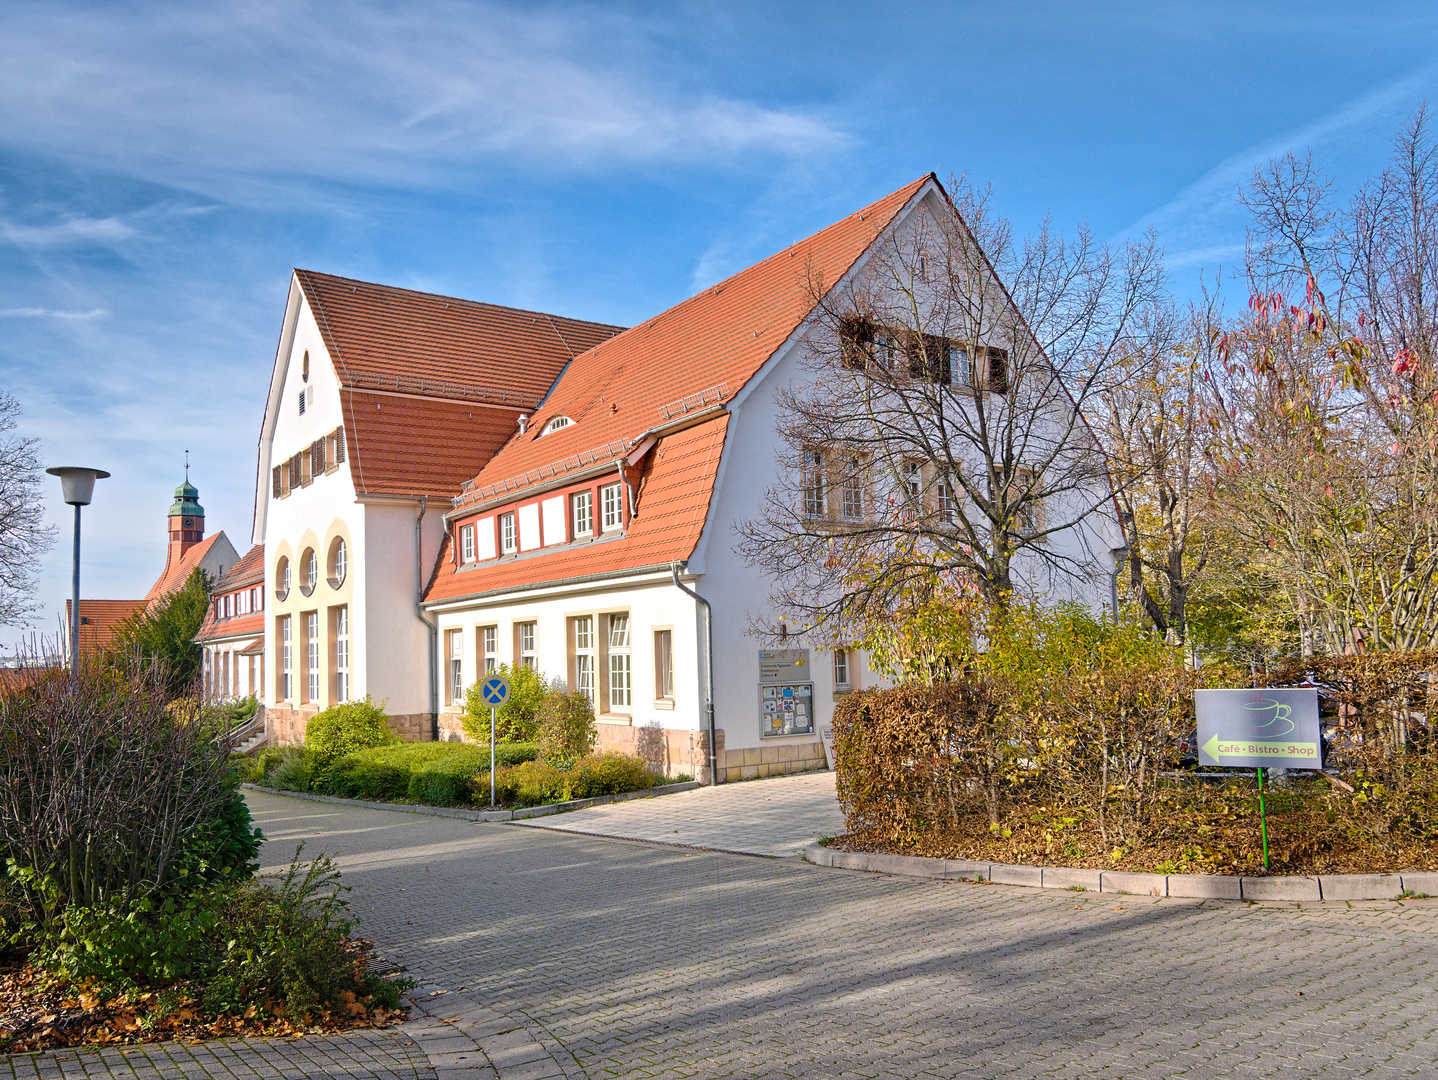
x=998, y=371
x=339, y=445
x=317, y=457
x=277, y=481
x=294, y=472
x=856, y=341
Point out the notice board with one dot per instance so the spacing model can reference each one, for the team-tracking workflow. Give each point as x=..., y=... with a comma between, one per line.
x=1263, y=728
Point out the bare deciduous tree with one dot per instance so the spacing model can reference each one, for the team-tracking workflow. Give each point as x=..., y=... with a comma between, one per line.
x=939, y=430
x=23, y=534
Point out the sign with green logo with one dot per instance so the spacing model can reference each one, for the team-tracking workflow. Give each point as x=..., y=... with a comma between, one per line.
x=1262, y=728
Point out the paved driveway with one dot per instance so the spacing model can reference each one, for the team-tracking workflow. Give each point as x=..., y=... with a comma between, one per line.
x=609, y=958
x=778, y=816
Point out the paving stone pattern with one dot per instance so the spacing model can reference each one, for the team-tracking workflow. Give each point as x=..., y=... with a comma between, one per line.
x=778, y=816
x=591, y=957
x=387, y=1054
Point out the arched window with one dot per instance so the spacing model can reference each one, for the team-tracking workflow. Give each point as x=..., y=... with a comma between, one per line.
x=309, y=571
x=555, y=424
x=282, y=579
x=339, y=562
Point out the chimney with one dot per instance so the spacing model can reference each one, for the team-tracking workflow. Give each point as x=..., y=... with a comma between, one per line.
x=523, y=423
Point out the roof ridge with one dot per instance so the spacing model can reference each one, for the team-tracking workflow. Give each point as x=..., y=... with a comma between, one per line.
x=320, y=274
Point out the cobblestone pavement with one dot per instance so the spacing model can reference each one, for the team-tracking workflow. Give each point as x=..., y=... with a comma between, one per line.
x=777, y=816
x=389, y=1054
x=579, y=956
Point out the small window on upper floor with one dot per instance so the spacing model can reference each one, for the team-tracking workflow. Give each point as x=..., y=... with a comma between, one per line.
x=302, y=403
x=466, y=543
x=555, y=424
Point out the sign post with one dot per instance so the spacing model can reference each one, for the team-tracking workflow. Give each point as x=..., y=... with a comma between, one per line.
x=1259, y=728
x=495, y=692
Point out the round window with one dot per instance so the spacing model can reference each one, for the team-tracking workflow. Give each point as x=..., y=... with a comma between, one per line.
x=309, y=571
x=282, y=578
x=339, y=562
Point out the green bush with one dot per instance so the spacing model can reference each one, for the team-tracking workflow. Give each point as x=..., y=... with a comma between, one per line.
x=607, y=774
x=531, y=784
x=343, y=729
x=225, y=715
x=518, y=720
x=566, y=727
x=433, y=773
x=142, y=941
x=292, y=773
x=286, y=943
x=228, y=845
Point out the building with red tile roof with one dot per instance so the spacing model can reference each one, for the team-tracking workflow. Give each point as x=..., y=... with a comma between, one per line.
x=382, y=402
x=595, y=537
x=232, y=635
x=188, y=549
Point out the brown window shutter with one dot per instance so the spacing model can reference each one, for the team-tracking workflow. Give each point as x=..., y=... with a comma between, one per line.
x=998, y=371
x=317, y=457
x=339, y=445
x=277, y=481
x=856, y=341
x=294, y=472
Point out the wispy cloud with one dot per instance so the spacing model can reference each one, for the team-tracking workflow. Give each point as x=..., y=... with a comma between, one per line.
x=243, y=92
x=67, y=233
x=51, y=313
x=1199, y=224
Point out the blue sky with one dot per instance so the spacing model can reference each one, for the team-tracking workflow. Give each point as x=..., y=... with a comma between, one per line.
x=164, y=165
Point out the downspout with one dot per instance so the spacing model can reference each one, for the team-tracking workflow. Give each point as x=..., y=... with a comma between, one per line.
x=431, y=627
x=708, y=671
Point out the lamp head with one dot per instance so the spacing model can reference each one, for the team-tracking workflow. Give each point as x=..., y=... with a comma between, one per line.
x=78, y=483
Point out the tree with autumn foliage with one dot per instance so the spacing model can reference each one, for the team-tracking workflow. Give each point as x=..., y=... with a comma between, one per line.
x=1323, y=400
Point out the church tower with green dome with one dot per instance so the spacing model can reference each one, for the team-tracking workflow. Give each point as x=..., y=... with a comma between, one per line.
x=187, y=516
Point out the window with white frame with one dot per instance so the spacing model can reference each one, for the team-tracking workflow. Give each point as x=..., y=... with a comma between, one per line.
x=1028, y=485
x=961, y=364
x=841, y=670
x=527, y=656
x=257, y=599
x=242, y=602
x=815, y=483
x=282, y=579
x=947, y=499
x=620, y=665
x=581, y=505
x=913, y=477
x=342, y=653
x=611, y=505
x=507, y=541
x=584, y=655
x=339, y=562
x=229, y=610
x=664, y=665
x=454, y=687
x=287, y=660
x=312, y=655
x=852, y=489
x=489, y=643
x=466, y=543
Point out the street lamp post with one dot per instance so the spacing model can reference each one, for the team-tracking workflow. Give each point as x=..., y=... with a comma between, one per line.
x=78, y=485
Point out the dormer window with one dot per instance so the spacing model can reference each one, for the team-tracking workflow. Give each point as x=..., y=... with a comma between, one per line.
x=555, y=424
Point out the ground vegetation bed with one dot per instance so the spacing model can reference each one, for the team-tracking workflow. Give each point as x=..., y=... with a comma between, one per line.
x=543, y=753
x=129, y=907
x=1070, y=742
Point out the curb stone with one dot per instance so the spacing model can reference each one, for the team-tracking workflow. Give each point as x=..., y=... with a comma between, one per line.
x=465, y=1040
x=482, y=815
x=1204, y=886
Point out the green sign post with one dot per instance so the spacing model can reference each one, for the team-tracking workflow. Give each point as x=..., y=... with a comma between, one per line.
x=1259, y=728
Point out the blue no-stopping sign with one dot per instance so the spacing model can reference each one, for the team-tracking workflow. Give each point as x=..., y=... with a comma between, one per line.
x=494, y=690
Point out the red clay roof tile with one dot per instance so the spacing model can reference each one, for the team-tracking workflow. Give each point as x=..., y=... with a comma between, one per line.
x=467, y=369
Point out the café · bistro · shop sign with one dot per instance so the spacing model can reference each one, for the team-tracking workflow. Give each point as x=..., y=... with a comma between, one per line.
x=1261, y=728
